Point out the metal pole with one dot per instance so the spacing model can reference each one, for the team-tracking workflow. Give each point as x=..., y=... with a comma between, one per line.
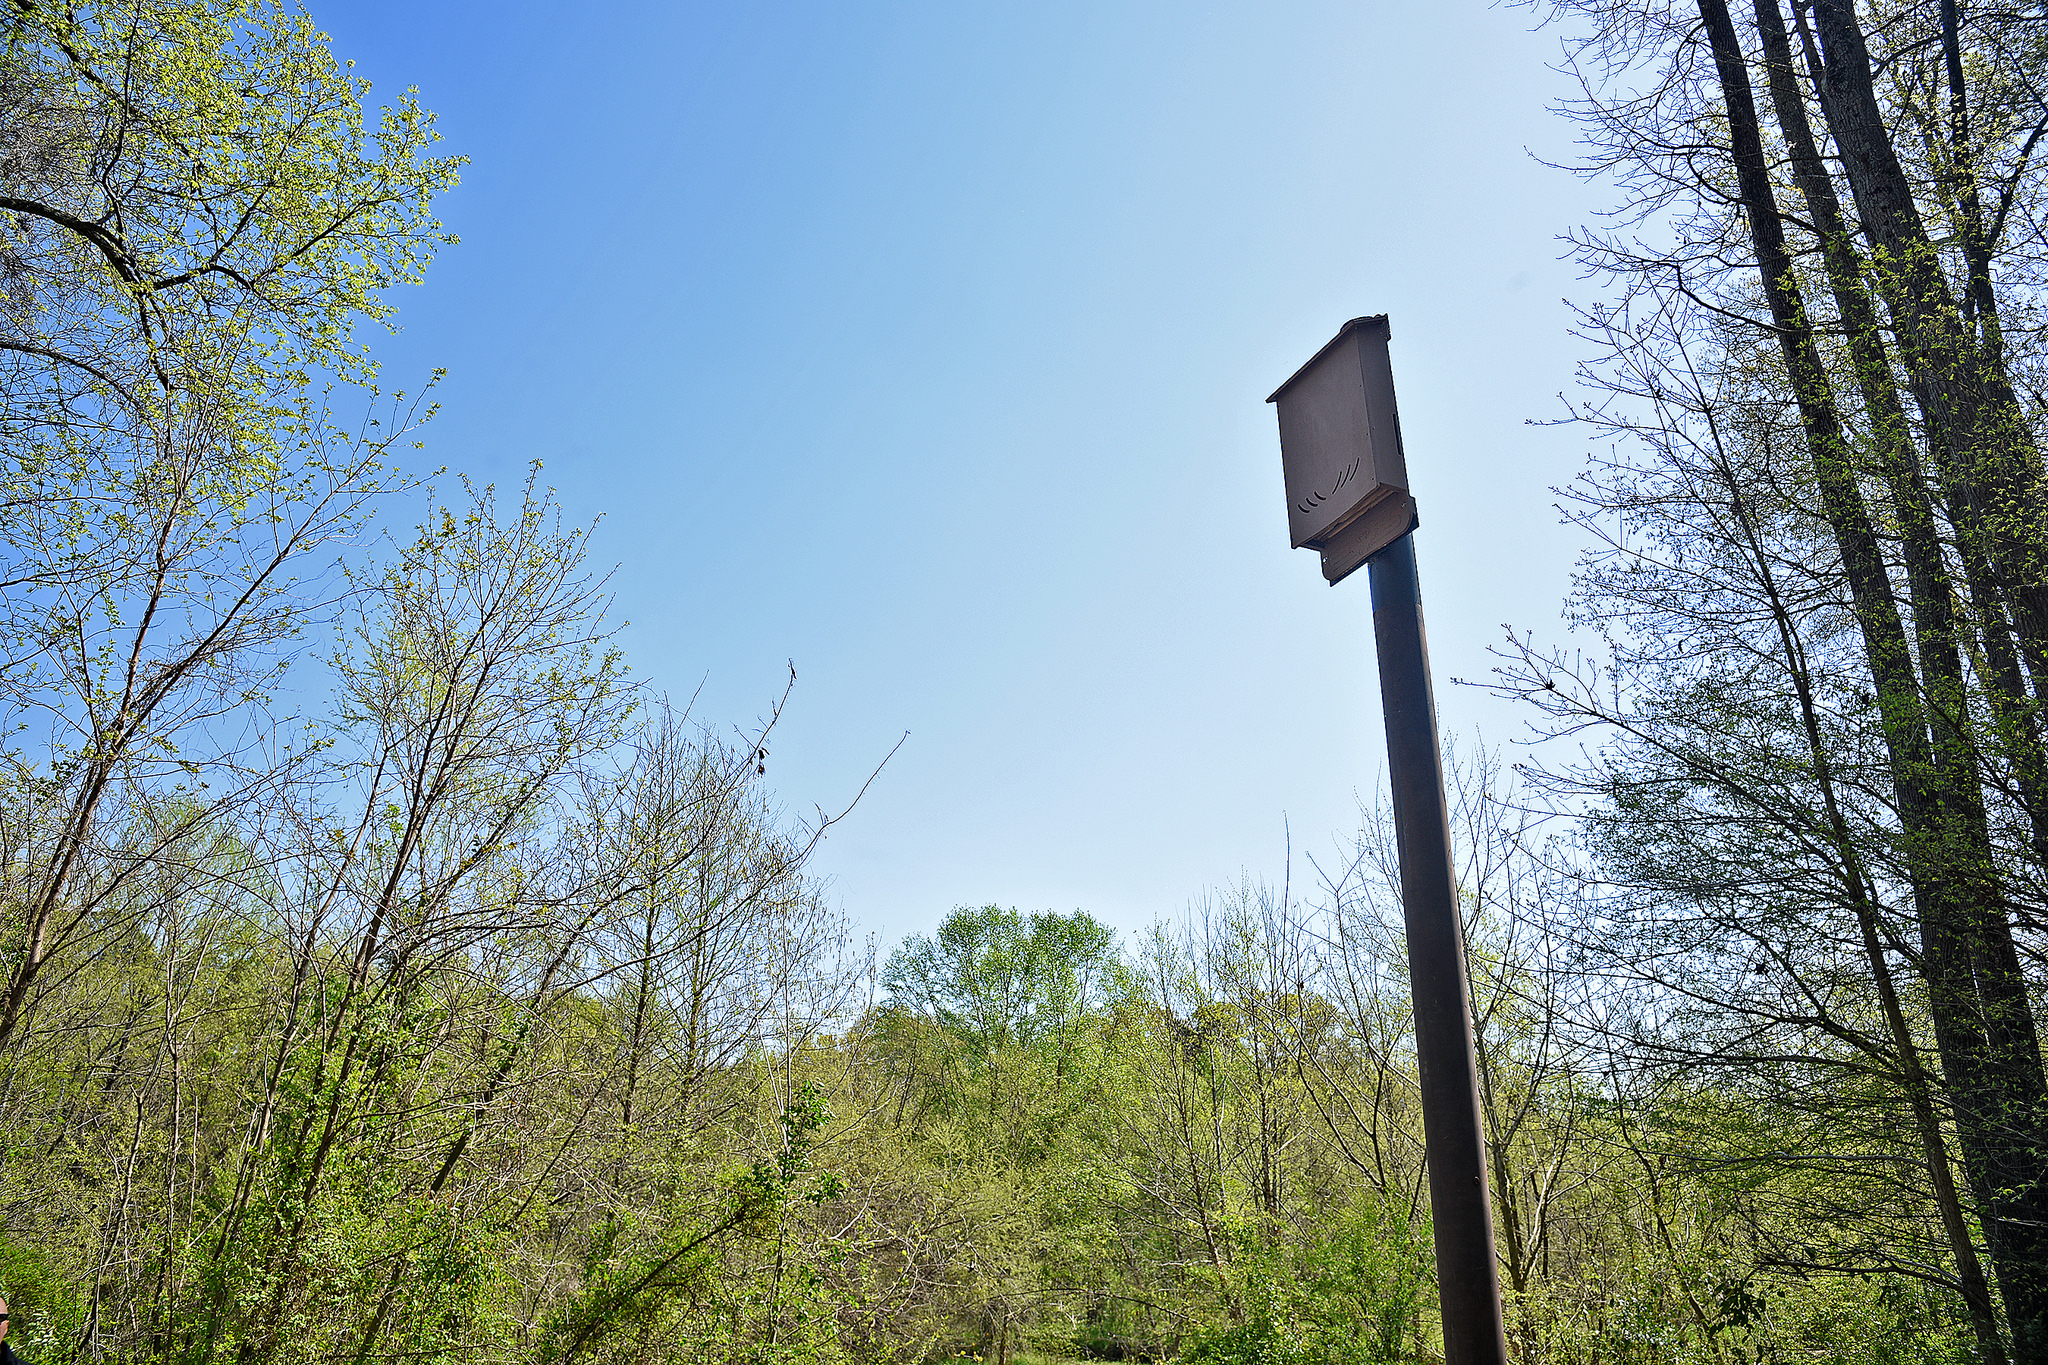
x=1468, y=1284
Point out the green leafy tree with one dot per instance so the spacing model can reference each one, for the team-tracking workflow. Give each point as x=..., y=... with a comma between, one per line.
x=197, y=220
x=992, y=976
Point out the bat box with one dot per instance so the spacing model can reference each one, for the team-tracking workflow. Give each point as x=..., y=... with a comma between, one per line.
x=1340, y=446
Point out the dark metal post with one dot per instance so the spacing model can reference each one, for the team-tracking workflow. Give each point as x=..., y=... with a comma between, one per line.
x=1348, y=499
x=1468, y=1283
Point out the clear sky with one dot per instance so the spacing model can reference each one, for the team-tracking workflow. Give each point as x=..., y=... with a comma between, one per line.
x=925, y=344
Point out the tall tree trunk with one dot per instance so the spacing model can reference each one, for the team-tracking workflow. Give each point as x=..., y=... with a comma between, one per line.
x=2015, y=714
x=1982, y=1024
x=1975, y=426
x=1891, y=436
x=1862, y=897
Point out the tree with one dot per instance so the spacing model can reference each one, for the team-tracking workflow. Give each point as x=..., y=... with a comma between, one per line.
x=198, y=210
x=991, y=976
x=198, y=220
x=1848, y=529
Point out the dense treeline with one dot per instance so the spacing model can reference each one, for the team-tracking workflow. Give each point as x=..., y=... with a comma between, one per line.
x=385, y=975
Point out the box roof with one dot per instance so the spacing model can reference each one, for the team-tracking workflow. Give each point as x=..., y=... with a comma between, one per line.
x=1346, y=330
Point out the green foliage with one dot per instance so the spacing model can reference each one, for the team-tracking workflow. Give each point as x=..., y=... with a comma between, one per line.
x=992, y=976
x=199, y=201
x=636, y=1285
x=1355, y=1292
x=46, y=1307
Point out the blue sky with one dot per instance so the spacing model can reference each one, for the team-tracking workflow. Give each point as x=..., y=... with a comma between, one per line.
x=926, y=346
